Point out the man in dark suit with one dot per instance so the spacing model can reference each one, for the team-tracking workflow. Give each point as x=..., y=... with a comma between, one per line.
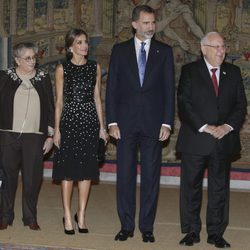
x=212, y=107
x=140, y=113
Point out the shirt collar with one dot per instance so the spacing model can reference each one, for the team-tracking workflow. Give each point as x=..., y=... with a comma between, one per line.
x=209, y=66
x=138, y=42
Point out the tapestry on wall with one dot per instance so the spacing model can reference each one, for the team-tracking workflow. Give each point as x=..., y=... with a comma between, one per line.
x=180, y=23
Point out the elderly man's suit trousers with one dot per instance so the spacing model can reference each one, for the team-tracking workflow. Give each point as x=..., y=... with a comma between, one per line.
x=193, y=167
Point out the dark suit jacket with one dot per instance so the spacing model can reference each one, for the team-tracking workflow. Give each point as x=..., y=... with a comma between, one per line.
x=198, y=105
x=151, y=105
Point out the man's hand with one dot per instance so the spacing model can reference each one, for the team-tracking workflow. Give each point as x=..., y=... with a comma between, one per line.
x=209, y=129
x=220, y=131
x=164, y=133
x=114, y=131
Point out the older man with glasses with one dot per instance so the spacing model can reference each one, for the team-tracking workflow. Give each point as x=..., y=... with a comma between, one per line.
x=212, y=106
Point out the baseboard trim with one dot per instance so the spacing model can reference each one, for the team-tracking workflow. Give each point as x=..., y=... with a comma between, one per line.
x=239, y=179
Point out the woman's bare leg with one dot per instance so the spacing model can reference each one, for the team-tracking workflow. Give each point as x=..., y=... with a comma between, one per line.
x=83, y=195
x=67, y=187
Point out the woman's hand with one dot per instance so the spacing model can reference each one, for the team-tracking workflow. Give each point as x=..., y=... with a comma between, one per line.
x=104, y=135
x=57, y=138
x=48, y=144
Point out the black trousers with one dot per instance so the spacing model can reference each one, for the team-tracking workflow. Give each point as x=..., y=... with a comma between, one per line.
x=150, y=155
x=192, y=172
x=23, y=153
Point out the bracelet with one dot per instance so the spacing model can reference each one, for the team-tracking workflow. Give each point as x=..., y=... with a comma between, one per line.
x=104, y=130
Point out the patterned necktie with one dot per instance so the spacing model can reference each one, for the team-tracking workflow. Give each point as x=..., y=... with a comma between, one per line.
x=142, y=62
x=215, y=83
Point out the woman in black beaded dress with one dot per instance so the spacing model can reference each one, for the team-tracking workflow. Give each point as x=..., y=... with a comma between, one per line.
x=78, y=126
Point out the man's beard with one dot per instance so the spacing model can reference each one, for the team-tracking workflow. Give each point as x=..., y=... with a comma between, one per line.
x=148, y=34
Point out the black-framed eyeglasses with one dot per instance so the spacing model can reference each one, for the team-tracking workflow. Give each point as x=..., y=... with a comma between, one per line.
x=217, y=47
x=29, y=59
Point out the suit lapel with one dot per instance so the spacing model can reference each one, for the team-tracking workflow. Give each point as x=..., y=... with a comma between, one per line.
x=132, y=61
x=206, y=77
x=223, y=77
x=151, y=60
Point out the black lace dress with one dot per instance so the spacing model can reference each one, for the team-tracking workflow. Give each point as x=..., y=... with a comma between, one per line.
x=77, y=157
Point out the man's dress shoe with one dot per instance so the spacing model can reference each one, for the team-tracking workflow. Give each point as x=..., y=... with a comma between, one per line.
x=123, y=235
x=148, y=236
x=190, y=239
x=4, y=225
x=34, y=226
x=218, y=241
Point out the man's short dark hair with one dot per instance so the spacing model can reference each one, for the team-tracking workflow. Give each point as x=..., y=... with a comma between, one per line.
x=141, y=8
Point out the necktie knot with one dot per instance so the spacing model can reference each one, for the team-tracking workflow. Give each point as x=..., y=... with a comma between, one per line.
x=142, y=46
x=214, y=70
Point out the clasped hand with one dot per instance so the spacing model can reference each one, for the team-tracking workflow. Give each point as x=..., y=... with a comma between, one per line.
x=217, y=131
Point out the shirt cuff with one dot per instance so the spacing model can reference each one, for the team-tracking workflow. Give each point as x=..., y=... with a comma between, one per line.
x=111, y=124
x=202, y=128
x=231, y=128
x=166, y=125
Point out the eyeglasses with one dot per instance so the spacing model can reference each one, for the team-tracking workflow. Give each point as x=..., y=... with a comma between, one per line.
x=29, y=59
x=217, y=47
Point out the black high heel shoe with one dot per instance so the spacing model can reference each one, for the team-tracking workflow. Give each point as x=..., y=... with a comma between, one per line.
x=80, y=230
x=70, y=232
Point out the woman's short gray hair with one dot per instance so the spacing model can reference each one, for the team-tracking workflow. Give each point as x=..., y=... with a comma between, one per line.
x=20, y=47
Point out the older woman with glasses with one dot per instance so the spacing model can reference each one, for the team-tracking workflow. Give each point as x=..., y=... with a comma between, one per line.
x=26, y=131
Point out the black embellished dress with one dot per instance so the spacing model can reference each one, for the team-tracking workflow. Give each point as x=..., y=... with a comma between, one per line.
x=77, y=157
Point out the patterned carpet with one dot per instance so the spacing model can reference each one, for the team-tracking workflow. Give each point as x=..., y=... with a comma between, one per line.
x=25, y=247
